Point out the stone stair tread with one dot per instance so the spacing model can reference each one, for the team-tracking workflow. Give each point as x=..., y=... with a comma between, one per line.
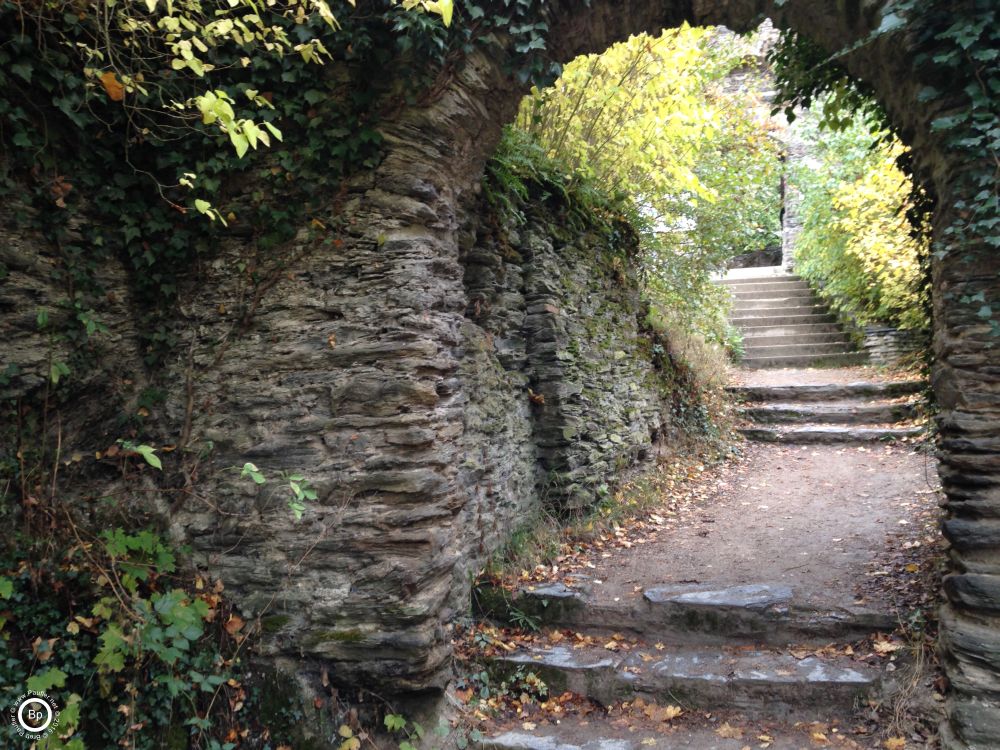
x=705, y=613
x=575, y=734
x=753, y=275
x=829, y=433
x=758, y=681
x=773, y=295
x=781, y=320
x=806, y=337
x=827, y=392
x=775, y=350
x=806, y=360
x=860, y=412
x=777, y=307
x=800, y=328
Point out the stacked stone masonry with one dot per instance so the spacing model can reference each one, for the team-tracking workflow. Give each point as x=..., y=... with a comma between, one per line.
x=369, y=367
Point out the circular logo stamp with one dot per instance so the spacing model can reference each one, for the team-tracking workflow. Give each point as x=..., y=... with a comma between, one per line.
x=34, y=715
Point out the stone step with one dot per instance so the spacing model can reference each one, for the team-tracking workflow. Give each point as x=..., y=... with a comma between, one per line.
x=829, y=434
x=823, y=337
x=790, y=330
x=768, y=285
x=831, y=392
x=765, y=321
x=755, y=682
x=689, y=733
x=832, y=412
x=751, y=307
x=806, y=360
x=753, y=351
x=768, y=274
x=780, y=293
x=700, y=614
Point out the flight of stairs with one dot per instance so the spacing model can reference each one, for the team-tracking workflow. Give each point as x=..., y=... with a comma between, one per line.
x=861, y=412
x=784, y=324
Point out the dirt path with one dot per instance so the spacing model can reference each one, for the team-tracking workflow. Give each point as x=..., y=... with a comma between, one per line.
x=769, y=601
x=815, y=518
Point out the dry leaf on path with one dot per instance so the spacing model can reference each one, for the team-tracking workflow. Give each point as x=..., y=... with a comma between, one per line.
x=729, y=732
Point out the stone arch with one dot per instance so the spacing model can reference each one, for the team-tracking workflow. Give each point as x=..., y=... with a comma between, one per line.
x=389, y=557
x=965, y=376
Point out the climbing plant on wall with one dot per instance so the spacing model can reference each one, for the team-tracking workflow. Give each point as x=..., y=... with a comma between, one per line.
x=955, y=53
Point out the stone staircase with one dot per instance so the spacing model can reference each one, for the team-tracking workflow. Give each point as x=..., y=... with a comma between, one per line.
x=830, y=413
x=784, y=324
x=753, y=651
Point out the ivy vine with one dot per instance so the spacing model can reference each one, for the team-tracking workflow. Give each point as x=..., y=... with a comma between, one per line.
x=955, y=50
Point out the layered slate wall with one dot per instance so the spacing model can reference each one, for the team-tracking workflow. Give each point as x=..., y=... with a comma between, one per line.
x=435, y=403
x=356, y=368
x=558, y=312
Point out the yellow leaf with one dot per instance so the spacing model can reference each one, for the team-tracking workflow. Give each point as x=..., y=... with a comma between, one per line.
x=345, y=731
x=894, y=743
x=729, y=732
x=886, y=647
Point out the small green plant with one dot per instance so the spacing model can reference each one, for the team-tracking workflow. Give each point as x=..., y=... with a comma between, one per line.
x=521, y=619
x=300, y=489
x=147, y=452
x=137, y=654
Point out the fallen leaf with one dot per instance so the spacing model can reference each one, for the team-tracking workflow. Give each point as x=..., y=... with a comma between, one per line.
x=894, y=743
x=729, y=732
x=114, y=87
x=234, y=624
x=886, y=647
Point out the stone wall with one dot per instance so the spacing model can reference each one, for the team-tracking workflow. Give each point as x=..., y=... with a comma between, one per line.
x=890, y=346
x=559, y=312
x=436, y=404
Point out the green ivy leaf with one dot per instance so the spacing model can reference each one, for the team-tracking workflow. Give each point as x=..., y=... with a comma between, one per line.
x=45, y=681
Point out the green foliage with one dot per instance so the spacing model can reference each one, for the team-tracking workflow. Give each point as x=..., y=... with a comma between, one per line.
x=856, y=245
x=135, y=653
x=955, y=53
x=298, y=487
x=691, y=165
x=123, y=129
x=808, y=78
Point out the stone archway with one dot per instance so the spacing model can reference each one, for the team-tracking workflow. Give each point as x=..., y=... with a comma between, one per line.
x=965, y=375
x=363, y=369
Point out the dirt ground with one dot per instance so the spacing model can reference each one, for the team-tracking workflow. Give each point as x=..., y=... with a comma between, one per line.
x=819, y=519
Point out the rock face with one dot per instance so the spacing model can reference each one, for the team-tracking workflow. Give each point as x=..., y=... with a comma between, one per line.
x=435, y=407
x=559, y=312
x=368, y=366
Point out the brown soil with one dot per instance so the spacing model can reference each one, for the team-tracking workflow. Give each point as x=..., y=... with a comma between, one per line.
x=821, y=519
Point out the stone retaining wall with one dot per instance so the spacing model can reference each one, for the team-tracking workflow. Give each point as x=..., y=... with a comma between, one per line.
x=890, y=346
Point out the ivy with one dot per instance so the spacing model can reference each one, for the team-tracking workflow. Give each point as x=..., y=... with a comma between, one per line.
x=955, y=50
x=135, y=652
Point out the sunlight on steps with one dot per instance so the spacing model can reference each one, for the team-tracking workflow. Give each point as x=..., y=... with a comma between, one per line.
x=783, y=322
